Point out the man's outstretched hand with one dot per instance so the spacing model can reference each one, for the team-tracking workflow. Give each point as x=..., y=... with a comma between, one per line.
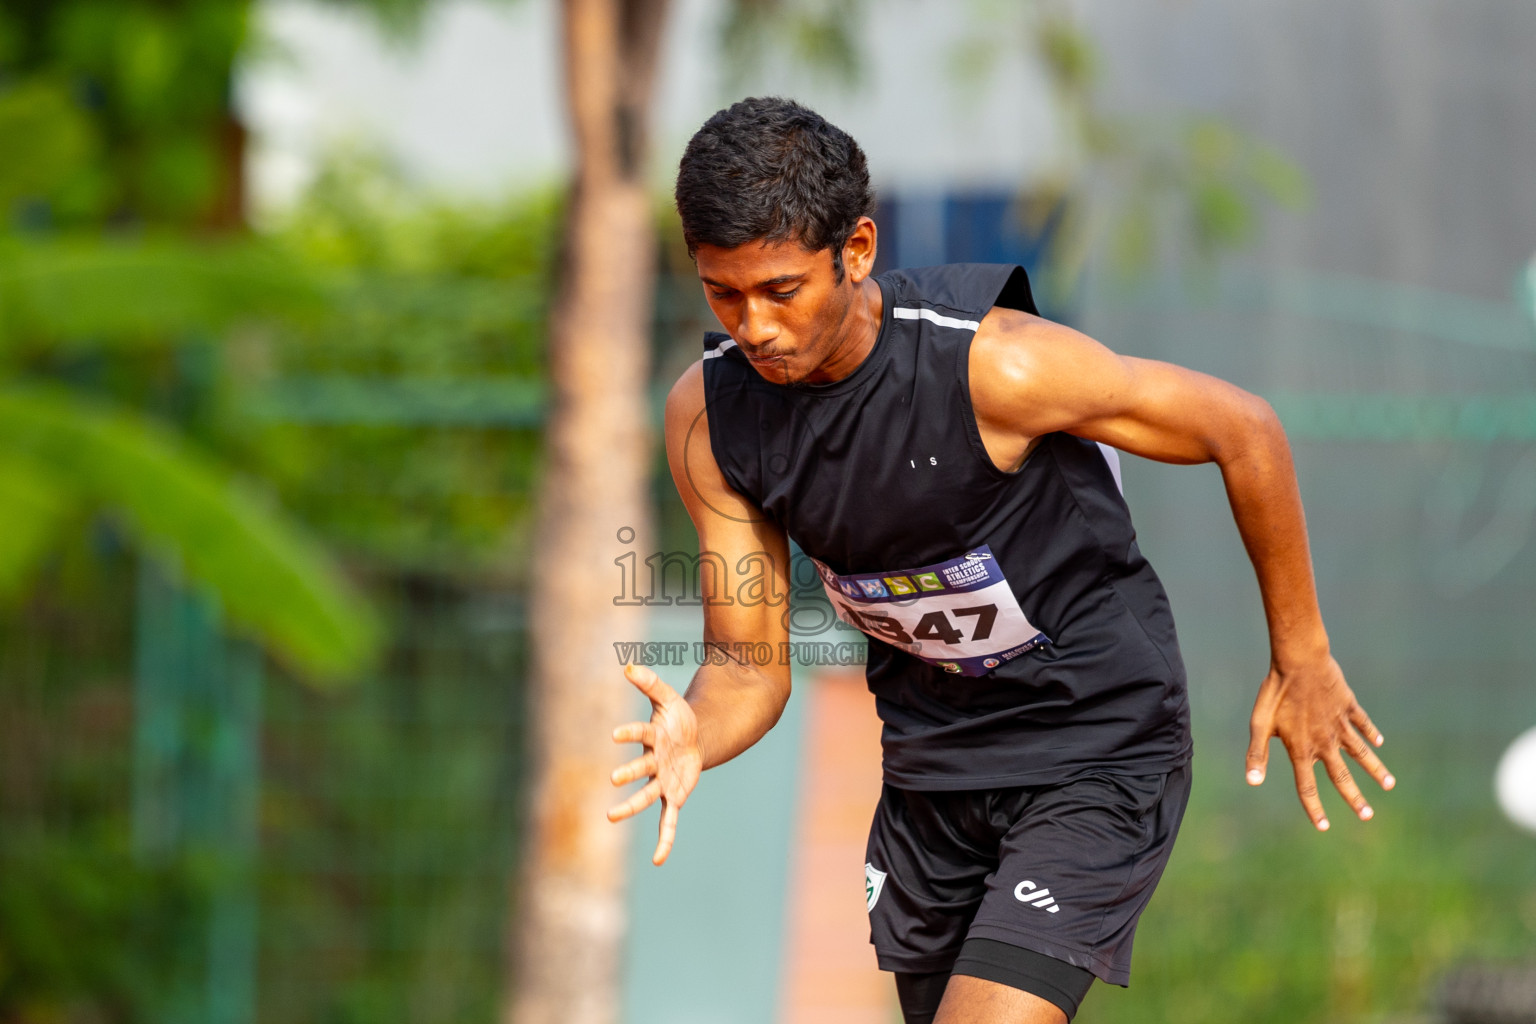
x=1314, y=712
x=671, y=761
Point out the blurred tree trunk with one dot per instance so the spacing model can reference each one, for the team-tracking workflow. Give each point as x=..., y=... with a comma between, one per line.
x=568, y=918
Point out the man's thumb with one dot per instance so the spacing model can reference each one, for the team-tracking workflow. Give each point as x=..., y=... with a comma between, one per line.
x=644, y=679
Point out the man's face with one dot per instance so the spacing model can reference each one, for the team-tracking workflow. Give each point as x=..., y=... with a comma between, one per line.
x=781, y=304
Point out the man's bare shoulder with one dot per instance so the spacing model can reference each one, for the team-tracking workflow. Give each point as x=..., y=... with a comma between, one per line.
x=1007, y=340
x=1010, y=357
x=711, y=501
x=1032, y=375
x=686, y=399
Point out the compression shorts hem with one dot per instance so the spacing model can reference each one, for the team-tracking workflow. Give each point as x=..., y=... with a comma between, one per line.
x=1047, y=977
x=935, y=963
x=1102, y=967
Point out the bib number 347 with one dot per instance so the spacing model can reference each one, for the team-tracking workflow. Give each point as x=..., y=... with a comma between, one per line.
x=960, y=615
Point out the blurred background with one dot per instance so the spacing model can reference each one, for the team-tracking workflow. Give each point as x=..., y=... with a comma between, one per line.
x=279, y=412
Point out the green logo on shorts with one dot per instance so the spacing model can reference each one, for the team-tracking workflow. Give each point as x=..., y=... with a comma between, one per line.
x=874, y=881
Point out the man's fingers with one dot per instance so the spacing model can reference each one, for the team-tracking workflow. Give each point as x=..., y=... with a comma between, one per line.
x=1260, y=728
x=649, y=683
x=639, y=768
x=637, y=802
x=1306, y=788
x=636, y=732
x=1344, y=782
x=1361, y=751
x=666, y=834
x=1362, y=721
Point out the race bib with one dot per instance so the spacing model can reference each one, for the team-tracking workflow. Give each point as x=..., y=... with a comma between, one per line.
x=960, y=615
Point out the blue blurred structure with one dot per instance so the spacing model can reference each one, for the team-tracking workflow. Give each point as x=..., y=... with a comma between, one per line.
x=919, y=229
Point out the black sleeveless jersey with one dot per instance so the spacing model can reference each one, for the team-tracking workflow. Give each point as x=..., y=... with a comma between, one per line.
x=1017, y=635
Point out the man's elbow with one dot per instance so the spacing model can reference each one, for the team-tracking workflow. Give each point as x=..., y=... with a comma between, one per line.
x=1253, y=430
x=781, y=690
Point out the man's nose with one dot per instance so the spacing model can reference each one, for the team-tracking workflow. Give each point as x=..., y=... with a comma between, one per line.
x=756, y=325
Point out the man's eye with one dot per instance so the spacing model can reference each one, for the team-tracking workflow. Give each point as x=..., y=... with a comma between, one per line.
x=782, y=296
x=720, y=295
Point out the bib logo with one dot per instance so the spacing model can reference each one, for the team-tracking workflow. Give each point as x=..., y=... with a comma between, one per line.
x=874, y=882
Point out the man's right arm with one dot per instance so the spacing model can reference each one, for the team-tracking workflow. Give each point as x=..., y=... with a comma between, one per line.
x=733, y=700
x=736, y=699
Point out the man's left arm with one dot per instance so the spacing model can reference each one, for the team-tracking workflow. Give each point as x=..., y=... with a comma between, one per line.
x=1031, y=377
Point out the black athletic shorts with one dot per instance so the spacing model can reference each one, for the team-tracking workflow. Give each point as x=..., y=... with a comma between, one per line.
x=1062, y=870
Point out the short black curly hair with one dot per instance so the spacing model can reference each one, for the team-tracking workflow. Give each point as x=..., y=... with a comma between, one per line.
x=768, y=169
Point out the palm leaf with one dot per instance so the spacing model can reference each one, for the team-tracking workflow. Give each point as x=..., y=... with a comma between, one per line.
x=122, y=292
x=32, y=506
x=184, y=509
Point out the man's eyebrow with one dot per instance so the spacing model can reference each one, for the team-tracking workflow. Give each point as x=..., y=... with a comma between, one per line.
x=772, y=282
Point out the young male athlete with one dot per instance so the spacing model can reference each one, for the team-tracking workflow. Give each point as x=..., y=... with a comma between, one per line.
x=946, y=457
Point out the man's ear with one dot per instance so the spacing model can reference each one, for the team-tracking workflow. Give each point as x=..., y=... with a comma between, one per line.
x=859, y=250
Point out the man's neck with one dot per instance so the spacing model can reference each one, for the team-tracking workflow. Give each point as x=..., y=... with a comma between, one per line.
x=860, y=331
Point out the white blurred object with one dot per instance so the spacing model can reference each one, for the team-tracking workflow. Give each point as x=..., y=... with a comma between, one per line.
x=1528, y=289
x=1515, y=781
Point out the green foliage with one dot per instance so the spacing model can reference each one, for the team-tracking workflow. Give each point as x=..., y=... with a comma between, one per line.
x=124, y=106
x=384, y=888
x=403, y=425
x=1194, y=181
x=271, y=580
x=365, y=288
x=1198, y=180
x=1070, y=59
x=1269, y=921
x=139, y=125
x=32, y=507
x=38, y=118
x=361, y=215
x=820, y=35
x=122, y=109
x=58, y=892
x=64, y=455
x=1135, y=188
x=87, y=931
x=135, y=294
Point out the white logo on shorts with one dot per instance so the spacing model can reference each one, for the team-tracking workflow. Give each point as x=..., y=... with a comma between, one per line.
x=874, y=882
x=1040, y=899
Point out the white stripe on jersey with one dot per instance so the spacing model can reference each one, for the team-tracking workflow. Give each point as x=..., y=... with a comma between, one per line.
x=1113, y=458
x=914, y=313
